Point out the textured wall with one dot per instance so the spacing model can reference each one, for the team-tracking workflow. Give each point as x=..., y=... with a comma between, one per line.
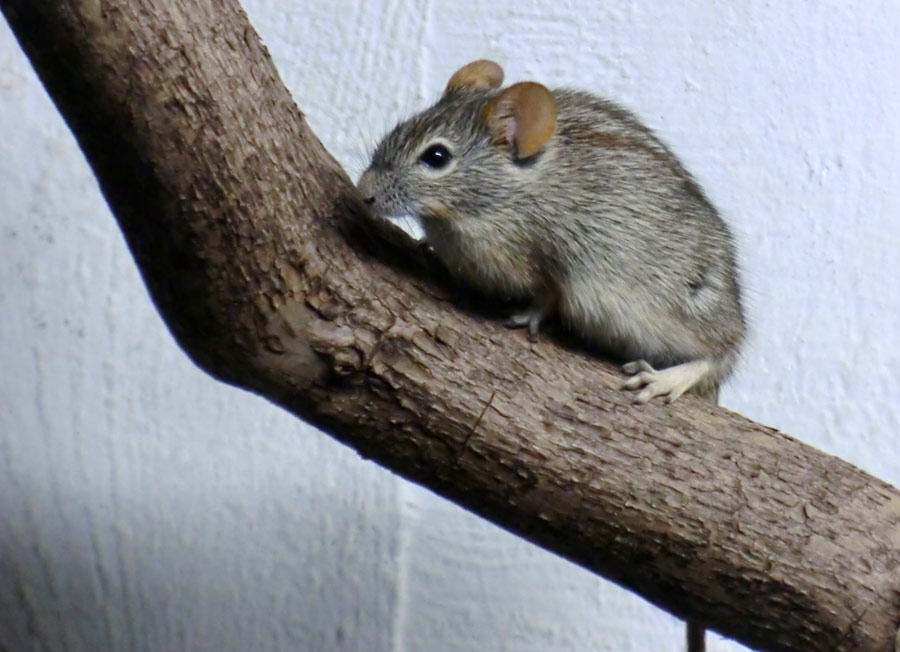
x=144, y=506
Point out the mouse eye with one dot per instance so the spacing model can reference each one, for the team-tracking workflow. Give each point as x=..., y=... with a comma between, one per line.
x=436, y=156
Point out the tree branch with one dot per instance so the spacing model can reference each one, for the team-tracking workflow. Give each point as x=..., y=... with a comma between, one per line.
x=252, y=244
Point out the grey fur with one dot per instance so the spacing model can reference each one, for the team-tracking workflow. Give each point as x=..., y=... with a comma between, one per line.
x=603, y=225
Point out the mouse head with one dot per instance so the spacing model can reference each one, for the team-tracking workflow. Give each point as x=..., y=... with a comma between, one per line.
x=463, y=154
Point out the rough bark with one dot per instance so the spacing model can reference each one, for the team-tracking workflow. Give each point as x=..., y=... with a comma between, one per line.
x=250, y=240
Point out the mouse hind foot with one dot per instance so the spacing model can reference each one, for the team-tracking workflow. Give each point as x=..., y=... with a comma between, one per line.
x=671, y=382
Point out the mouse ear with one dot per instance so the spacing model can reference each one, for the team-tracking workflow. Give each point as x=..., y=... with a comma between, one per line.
x=481, y=75
x=523, y=115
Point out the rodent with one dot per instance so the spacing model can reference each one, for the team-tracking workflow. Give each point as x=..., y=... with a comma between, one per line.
x=566, y=200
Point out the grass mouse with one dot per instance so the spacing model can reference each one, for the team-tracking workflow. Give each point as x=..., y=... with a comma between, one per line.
x=564, y=200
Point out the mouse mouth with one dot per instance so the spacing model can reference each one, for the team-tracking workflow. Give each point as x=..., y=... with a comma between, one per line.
x=385, y=207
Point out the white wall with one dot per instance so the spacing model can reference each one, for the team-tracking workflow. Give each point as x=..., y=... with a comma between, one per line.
x=144, y=506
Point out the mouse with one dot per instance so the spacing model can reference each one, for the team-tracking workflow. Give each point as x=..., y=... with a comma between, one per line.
x=565, y=202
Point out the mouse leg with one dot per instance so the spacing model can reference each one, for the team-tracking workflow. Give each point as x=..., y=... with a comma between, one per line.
x=671, y=382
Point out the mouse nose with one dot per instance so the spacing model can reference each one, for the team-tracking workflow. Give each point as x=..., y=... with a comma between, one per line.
x=369, y=200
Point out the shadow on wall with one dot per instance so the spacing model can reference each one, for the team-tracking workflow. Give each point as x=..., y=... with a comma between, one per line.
x=269, y=564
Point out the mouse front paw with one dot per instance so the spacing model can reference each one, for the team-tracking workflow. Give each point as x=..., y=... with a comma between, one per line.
x=531, y=319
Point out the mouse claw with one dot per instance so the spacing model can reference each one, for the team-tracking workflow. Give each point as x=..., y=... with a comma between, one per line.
x=642, y=375
x=638, y=380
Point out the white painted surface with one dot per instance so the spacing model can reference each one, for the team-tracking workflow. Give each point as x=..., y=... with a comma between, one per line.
x=144, y=506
